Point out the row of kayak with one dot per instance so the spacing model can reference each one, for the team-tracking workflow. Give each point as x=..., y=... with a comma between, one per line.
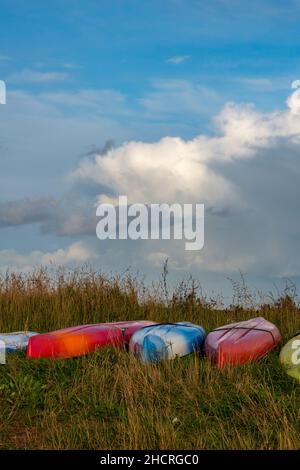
x=233, y=344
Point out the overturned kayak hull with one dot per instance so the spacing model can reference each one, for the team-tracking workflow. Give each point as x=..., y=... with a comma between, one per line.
x=166, y=341
x=240, y=343
x=15, y=341
x=81, y=340
x=290, y=357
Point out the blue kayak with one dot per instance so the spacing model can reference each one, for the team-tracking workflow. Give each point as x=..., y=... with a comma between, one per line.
x=166, y=341
x=15, y=341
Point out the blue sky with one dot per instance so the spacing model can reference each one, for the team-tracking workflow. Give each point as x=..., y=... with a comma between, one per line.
x=80, y=74
x=124, y=44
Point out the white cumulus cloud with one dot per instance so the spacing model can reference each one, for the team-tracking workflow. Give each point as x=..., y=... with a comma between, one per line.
x=177, y=170
x=77, y=253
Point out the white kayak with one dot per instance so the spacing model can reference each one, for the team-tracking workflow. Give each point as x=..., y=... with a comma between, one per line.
x=166, y=341
x=15, y=341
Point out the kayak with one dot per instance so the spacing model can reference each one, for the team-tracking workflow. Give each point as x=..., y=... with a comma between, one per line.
x=80, y=340
x=166, y=341
x=15, y=341
x=239, y=343
x=290, y=357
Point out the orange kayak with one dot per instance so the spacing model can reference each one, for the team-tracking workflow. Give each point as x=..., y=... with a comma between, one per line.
x=80, y=340
x=239, y=343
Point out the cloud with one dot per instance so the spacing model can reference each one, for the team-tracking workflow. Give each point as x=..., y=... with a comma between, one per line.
x=213, y=259
x=263, y=84
x=169, y=170
x=26, y=211
x=246, y=172
x=51, y=138
x=104, y=101
x=66, y=216
x=70, y=65
x=293, y=102
x=295, y=84
x=172, y=97
x=175, y=169
x=178, y=59
x=77, y=253
x=55, y=129
x=33, y=76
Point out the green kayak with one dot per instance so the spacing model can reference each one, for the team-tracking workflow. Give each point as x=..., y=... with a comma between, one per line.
x=290, y=357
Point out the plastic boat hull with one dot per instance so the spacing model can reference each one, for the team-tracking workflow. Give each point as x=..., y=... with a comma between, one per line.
x=243, y=342
x=81, y=340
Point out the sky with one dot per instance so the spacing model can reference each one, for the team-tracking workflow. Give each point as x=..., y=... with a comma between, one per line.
x=178, y=101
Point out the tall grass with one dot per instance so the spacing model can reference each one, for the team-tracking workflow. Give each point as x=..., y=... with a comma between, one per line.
x=108, y=400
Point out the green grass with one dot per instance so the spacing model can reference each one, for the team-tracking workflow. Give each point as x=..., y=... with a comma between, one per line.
x=108, y=400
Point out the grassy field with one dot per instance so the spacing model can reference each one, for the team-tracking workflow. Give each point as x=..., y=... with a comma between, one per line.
x=108, y=400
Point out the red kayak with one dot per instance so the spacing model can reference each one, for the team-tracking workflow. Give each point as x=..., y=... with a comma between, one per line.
x=80, y=340
x=239, y=343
